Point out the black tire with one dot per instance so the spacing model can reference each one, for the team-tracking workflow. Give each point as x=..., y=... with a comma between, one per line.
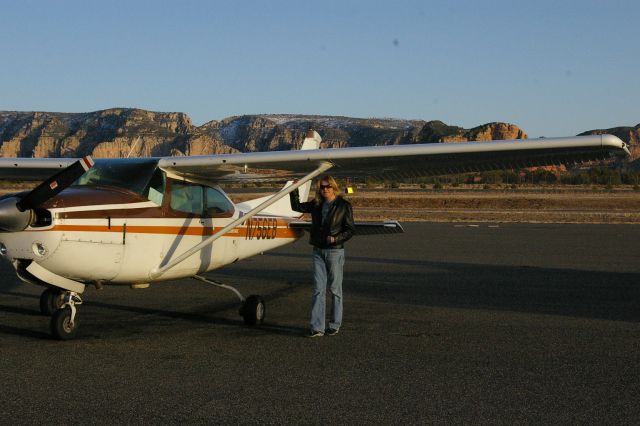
x=50, y=301
x=60, y=327
x=253, y=310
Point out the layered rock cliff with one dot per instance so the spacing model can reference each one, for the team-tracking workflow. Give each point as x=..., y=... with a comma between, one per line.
x=117, y=132
x=282, y=132
x=121, y=132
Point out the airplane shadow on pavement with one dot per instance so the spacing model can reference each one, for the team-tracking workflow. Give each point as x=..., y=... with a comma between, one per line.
x=527, y=289
x=576, y=293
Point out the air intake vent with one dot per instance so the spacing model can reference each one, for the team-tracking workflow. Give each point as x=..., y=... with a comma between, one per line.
x=43, y=218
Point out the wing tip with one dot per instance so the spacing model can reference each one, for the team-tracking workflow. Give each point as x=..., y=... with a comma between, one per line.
x=614, y=142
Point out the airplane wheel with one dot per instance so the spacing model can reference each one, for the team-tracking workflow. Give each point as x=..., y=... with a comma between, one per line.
x=50, y=301
x=253, y=310
x=61, y=327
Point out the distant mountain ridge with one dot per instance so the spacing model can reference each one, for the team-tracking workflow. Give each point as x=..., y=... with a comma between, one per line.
x=115, y=132
x=120, y=132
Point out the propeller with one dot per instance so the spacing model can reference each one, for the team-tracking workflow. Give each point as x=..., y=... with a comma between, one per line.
x=18, y=213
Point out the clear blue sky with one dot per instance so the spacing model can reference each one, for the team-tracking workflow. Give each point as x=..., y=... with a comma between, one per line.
x=554, y=68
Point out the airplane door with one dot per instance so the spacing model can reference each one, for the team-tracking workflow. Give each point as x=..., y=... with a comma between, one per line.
x=221, y=252
x=196, y=210
x=219, y=212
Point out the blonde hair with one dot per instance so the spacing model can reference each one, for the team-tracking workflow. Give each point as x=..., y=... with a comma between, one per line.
x=332, y=182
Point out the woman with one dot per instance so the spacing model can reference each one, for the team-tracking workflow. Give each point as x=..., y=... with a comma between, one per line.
x=331, y=226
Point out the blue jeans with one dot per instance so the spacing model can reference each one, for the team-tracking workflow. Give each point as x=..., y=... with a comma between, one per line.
x=327, y=272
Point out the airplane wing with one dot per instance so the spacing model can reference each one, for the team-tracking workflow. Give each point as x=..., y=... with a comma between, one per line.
x=398, y=161
x=32, y=168
x=383, y=162
x=362, y=228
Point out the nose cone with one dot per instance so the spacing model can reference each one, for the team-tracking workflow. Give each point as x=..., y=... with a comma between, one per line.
x=11, y=218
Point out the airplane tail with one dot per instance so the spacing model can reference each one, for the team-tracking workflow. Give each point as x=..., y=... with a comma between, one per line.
x=283, y=207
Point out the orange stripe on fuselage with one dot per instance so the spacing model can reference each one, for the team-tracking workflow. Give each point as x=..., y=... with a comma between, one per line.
x=243, y=231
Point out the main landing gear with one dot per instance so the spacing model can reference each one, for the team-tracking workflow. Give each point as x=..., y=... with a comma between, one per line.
x=252, y=308
x=61, y=305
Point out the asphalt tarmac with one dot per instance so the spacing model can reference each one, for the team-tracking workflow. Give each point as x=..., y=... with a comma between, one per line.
x=447, y=323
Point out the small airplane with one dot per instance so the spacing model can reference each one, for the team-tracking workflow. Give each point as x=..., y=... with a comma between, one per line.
x=137, y=221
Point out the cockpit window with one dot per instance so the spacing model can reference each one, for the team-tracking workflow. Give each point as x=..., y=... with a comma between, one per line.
x=155, y=191
x=199, y=200
x=217, y=203
x=140, y=175
x=187, y=198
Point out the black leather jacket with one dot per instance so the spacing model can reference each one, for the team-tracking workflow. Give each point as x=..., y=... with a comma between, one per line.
x=339, y=224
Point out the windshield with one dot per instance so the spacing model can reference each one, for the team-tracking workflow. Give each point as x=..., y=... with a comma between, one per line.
x=131, y=174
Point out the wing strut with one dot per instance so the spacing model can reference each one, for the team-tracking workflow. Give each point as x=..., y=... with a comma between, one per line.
x=156, y=272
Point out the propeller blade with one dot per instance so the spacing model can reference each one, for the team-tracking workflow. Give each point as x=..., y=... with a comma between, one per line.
x=55, y=184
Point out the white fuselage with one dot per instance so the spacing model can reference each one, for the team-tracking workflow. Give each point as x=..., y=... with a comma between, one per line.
x=113, y=250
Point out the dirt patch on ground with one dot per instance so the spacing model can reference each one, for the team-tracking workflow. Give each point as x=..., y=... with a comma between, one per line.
x=493, y=206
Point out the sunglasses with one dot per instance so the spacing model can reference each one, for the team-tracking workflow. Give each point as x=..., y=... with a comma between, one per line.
x=325, y=186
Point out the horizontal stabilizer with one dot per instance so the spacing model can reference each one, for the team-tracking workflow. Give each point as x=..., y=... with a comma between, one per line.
x=362, y=228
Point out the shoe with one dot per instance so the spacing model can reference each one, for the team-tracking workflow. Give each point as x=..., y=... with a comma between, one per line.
x=331, y=331
x=314, y=333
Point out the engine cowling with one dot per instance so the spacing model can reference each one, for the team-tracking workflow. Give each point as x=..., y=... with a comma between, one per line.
x=11, y=218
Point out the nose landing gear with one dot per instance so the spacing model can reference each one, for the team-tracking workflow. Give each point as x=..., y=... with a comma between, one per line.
x=64, y=324
x=51, y=300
